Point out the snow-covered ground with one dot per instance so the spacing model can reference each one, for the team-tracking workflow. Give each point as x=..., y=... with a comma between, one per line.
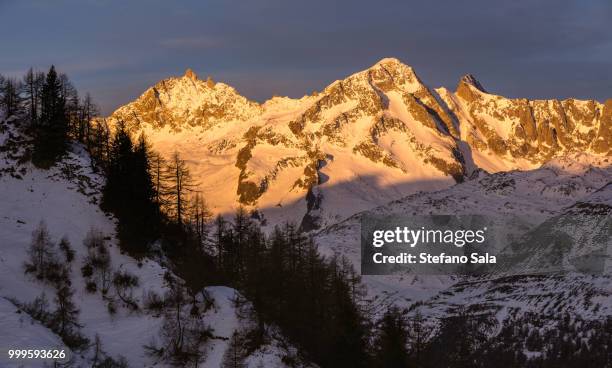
x=45, y=196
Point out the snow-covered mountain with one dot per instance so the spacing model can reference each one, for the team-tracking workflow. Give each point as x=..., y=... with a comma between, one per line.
x=375, y=136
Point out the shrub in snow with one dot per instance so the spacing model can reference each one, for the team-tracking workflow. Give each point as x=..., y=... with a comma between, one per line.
x=111, y=307
x=153, y=302
x=97, y=263
x=64, y=321
x=100, y=358
x=39, y=309
x=41, y=253
x=124, y=283
x=91, y=287
x=66, y=248
x=183, y=335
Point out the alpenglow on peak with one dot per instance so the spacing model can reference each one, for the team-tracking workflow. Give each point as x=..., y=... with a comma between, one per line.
x=191, y=74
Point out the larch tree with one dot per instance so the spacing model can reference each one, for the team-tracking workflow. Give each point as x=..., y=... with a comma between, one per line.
x=10, y=96
x=32, y=87
x=87, y=111
x=158, y=167
x=41, y=252
x=180, y=184
x=200, y=216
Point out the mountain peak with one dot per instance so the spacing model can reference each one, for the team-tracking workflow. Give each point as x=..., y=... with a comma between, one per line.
x=392, y=73
x=187, y=101
x=191, y=74
x=393, y=64
x=388, y=61
x=472, y=81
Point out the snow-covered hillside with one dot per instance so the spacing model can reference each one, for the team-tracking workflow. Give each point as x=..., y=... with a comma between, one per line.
x=66, y=199
x=530, y=197
x=561, y=267
x=553, y=279
x=375, y=136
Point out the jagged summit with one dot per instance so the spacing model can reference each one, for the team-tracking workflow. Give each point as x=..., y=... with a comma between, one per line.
x=391, y=62
x=401, y=74
x=471, y=80
x=190, y=74
x=187, y=101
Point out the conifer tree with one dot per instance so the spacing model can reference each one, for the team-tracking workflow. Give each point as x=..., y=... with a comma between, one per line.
x=219, y=240
x=124, y=283
x=97, y=262
x=392, y=342
x=180, y=185
x=417, y=337
x=130, y=193
x=183, y=335
x=64, y=320
x=72, y=106
x=158, y=167
x=99, y=143
x=51, y=140
x=66, y=314
x=312, y=300
x=143, y=213
x=458, y=340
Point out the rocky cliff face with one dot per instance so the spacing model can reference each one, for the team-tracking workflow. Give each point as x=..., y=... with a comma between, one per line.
x=365, y=140
x=535, y=130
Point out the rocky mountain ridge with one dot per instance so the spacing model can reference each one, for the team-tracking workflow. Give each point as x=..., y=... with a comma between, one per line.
x=375, y=136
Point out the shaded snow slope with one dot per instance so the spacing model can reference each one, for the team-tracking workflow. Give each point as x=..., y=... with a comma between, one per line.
x=66, y=198
x=18, y=330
